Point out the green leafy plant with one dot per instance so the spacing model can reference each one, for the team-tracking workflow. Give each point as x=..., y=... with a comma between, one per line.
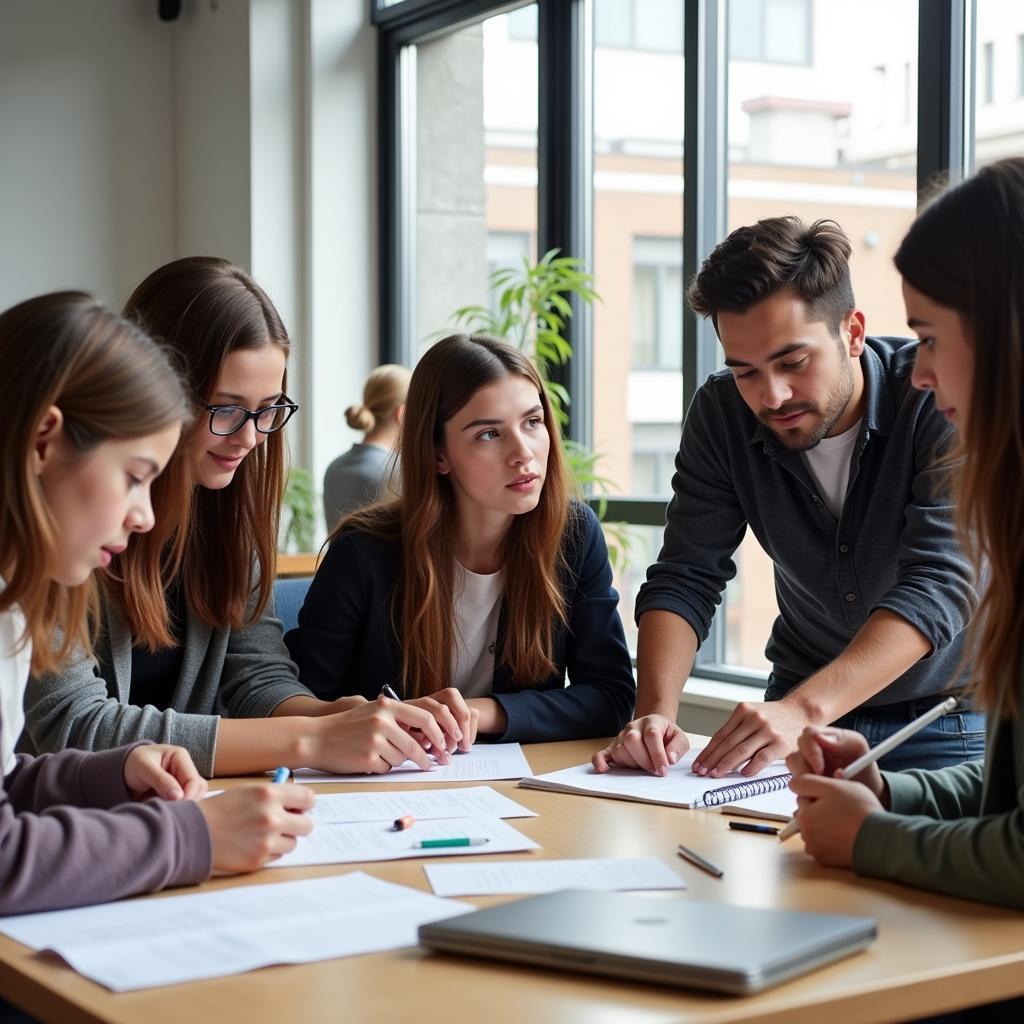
x=533, y=308
x=299, y=522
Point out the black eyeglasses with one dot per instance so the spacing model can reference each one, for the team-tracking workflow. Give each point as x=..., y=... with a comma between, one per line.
x=226, y=419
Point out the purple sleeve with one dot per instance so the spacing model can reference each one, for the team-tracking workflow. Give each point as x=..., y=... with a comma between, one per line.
x=53, y=855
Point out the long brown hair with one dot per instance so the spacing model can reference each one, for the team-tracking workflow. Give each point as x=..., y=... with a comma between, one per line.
x=222, y=544
x=110, y=381
x=966, y=252
x=423, y=518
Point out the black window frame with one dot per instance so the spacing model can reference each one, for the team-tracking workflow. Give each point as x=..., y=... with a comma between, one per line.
x=565, y=175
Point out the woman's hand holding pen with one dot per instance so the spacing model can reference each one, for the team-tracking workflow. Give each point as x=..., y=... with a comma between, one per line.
x=252, y=824
x=455, y=717
x=373, y=737
x=831, y=810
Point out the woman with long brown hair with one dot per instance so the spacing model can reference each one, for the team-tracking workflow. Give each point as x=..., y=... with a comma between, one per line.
x=483, y=584
x=189, y=650
x=958, y=830
x=93, y=412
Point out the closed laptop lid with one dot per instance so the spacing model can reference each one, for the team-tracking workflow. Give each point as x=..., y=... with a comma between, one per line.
x=670, y=940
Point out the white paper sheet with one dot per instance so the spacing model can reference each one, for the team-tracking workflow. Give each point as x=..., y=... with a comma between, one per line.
x=679, y=788
x=485, y=761
x=141, y=943
x=526, y=877
x=373, y=840
x=469, y=802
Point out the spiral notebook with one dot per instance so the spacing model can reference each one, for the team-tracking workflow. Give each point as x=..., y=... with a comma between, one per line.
x=679, y=788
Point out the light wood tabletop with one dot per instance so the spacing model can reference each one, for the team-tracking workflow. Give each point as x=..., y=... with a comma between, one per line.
x=932, y=953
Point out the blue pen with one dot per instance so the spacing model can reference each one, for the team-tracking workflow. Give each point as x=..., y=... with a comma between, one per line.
x=281, y=774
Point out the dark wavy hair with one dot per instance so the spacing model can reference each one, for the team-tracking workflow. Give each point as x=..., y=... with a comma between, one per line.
x=754, y=262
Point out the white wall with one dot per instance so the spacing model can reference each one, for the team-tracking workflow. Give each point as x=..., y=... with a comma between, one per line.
x=87, y=176
x=245, y=129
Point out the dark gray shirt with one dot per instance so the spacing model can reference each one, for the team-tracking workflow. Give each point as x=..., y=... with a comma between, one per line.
x=354, y=479
x=892, y=547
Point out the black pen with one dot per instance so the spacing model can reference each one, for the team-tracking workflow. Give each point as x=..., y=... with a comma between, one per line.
x=695, y=858
x=386, y=691
x=744, y=826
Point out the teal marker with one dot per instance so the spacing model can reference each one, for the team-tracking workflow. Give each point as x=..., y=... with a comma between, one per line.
x=438, y=844
x=281, y=774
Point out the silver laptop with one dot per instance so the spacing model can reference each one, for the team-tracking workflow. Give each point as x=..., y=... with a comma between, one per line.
x=672, y=941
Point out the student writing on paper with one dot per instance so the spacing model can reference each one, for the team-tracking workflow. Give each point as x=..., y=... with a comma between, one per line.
x=92, y=412
x=814, y=439
x=959, y=830
x=483, y=584
x=189, y=650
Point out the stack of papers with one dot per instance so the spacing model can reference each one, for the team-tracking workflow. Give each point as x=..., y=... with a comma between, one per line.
x=141, y=943
x=524, y=878
x=485, y=761
x=356, y=842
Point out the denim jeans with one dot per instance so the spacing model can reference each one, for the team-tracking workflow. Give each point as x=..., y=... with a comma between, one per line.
x=954, y=738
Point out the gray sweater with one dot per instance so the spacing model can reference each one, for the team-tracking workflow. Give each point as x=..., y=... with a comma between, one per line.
x=53, y=855
x=957, y=830
x=354, y=480
x=242, y=673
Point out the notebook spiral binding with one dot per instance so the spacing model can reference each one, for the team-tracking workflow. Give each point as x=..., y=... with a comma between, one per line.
x=745, y=790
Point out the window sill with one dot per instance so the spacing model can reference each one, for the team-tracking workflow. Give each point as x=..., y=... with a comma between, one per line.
x=717, y=696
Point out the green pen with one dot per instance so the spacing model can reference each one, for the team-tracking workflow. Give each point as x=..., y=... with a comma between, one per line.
x=437, y=844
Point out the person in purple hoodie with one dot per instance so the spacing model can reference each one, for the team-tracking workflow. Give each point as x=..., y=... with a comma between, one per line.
x=92, y=412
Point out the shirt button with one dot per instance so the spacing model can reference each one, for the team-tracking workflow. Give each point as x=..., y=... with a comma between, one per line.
x=851, y=597
x=843, y=548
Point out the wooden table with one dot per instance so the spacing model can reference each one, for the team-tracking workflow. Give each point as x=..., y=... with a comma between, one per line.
x=932, y=954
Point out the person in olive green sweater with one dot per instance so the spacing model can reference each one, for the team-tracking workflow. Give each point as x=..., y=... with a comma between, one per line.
x=957, y=830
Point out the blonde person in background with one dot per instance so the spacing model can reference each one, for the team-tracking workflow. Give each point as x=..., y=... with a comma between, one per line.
x=357, y=478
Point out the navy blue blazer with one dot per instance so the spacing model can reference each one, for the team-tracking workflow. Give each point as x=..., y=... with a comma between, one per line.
x=345, y=642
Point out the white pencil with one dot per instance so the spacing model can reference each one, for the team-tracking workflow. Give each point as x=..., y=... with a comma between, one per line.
x=856, y=767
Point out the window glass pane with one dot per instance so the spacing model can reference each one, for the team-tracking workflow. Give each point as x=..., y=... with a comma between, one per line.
x=999, y=81
x=745, y=29
x=835, y=138
x=630, y=572
x=645, y=316
x=613, y=23
x=522, y=24
x=787, y=31
x=637, y=228
x=475, y=165
x=658, y=25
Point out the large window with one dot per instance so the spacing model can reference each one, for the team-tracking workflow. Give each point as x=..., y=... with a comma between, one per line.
x=776, y=31
x=788, y=106
x=471, y=101
x=999, y=81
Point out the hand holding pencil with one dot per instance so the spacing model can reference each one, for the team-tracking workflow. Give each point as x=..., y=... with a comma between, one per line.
x=838, y=785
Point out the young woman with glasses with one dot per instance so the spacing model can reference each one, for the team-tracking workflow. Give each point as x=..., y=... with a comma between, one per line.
x=190, y=651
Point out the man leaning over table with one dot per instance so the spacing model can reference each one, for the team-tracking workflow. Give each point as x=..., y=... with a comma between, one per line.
x=814, y=438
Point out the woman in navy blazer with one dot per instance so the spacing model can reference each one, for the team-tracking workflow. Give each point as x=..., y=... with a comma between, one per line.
x=476, y=591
